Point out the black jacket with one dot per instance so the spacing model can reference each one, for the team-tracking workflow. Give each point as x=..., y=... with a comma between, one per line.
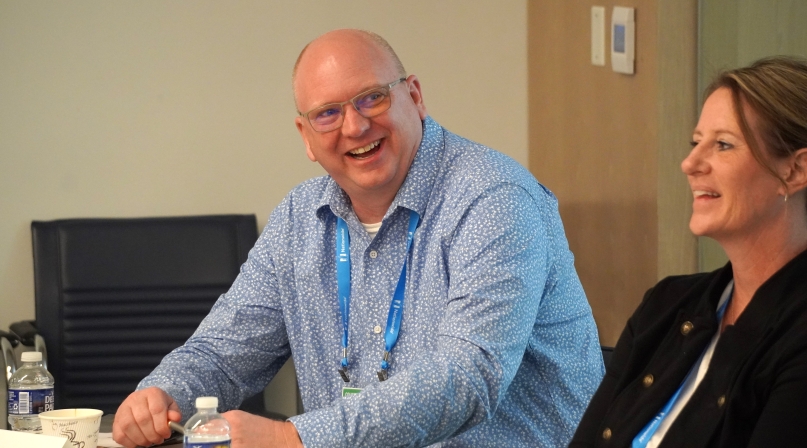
x=755, y=391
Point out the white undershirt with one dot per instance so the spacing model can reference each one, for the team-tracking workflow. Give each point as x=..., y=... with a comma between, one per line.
x=692, y=382
x=372, y=229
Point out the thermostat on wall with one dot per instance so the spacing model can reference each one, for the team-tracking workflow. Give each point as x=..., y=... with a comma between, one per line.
x=622, y=40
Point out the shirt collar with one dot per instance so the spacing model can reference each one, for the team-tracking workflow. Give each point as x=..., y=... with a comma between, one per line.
x=416, y=189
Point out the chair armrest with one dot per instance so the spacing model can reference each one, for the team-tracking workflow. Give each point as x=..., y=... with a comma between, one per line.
x=9, y=362
x=39, y=345
x=28, y=335
x=25, y=331
x=8, y=366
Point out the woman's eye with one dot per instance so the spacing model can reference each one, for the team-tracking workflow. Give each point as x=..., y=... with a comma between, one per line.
x=721, y=145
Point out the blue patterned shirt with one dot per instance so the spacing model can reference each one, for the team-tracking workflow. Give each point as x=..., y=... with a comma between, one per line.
x=497, y=347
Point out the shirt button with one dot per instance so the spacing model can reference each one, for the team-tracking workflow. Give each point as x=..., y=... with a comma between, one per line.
x=606, y=434
x=377, y=329
x=686, y=327
x=373, y=254
x=721, y=401
x=647, y=381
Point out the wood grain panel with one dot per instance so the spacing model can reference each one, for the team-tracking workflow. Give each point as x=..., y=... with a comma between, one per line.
x=594, y=140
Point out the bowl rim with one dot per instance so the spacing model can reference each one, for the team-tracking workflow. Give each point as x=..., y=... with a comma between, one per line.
x=87, y=414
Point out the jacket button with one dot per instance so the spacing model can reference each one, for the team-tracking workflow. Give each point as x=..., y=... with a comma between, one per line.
x=686, y=327
x=606, y=434
x=647, y=381
x=721, y=401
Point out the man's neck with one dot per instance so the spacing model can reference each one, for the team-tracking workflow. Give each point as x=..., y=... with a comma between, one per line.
x=372, y=210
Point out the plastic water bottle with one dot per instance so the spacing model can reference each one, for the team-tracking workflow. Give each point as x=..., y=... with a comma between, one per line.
x=207, y=428
x=30, y=392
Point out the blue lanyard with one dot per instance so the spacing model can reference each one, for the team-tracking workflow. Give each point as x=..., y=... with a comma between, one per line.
x=643, y=438
x=343, y=283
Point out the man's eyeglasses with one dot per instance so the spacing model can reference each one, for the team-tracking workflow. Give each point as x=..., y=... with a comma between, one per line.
x=369, y=103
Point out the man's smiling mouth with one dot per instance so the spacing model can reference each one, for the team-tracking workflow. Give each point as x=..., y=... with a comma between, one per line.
x=365, y=151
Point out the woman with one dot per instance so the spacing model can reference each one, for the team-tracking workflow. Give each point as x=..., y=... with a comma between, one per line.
x=720, y=359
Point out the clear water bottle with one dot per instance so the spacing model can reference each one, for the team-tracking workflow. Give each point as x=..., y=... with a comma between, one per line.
x=207, y=428
x=30, y=392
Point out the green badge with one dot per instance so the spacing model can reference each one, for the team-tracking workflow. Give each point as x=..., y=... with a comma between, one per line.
x=347, y=391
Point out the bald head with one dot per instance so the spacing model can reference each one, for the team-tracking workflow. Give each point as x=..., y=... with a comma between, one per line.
x=330, y=45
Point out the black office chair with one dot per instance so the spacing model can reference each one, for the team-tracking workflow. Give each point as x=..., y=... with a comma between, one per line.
x=606, y=354
x=113, y=296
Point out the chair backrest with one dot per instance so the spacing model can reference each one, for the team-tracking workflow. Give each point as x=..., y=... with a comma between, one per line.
x=113, y=296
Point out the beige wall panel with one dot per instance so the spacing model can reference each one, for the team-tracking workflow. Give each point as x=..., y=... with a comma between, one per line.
x=677, y=116
x=133, y=108
x=593, y=138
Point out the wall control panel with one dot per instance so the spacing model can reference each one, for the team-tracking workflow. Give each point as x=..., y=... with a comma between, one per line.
x=623, y=39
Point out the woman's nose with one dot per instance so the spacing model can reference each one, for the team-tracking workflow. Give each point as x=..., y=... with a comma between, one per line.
x=693, y=162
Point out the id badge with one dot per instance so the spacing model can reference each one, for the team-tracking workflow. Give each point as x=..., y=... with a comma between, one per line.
x=348, y=391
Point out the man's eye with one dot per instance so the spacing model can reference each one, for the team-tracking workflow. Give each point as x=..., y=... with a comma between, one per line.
x=327, y=114
x=371, y=99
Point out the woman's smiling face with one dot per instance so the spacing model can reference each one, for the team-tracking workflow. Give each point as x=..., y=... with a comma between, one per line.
x=734, y=196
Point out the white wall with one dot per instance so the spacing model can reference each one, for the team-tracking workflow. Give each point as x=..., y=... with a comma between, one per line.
x=144, y=108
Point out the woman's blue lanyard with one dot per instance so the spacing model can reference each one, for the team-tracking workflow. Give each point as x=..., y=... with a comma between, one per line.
x=343, y=283
x=643, y=438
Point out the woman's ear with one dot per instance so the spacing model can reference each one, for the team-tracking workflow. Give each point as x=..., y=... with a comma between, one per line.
x=796, y=178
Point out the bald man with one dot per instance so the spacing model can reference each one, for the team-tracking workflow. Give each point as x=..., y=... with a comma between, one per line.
x=424, y=287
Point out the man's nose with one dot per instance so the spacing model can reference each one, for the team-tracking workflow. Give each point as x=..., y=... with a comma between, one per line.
x=354, y=124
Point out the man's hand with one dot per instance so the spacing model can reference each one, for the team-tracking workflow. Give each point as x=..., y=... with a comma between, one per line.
x=142, y=418
x=251, y=431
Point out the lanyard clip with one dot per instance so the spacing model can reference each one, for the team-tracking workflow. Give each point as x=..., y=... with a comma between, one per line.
x=343, y=374
x=343, y=369
x=382, y=374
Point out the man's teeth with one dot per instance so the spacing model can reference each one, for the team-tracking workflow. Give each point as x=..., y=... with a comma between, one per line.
x=364, y=149
x=705, y=193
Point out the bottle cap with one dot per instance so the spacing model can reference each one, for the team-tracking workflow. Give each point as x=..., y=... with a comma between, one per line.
x=31, y=357
x=207, y=402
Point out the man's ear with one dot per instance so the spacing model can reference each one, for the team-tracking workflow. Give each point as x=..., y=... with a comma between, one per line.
x=417, y=95
x=298, y=121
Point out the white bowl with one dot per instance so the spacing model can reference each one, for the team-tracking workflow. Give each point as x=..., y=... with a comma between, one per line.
x=77, y=425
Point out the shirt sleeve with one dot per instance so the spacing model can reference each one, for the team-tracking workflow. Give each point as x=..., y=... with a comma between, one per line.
x=238, y=347
x=498, y=265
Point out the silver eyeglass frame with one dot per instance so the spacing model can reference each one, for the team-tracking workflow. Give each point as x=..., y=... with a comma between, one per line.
x=386, y=88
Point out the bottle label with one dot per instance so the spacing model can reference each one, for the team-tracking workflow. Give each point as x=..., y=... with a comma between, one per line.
x=29, y=401
x=225, y=444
